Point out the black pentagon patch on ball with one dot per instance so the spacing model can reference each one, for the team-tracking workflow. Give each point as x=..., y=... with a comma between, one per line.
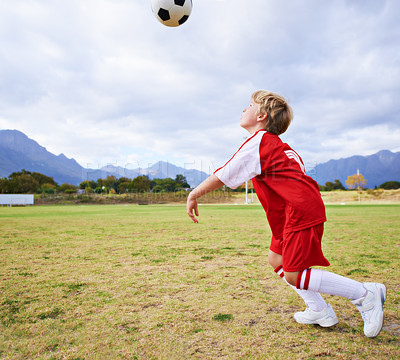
x=179, y=2
x=183, y=19
x=163, y=14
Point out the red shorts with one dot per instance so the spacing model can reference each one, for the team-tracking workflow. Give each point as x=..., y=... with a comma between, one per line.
x=300, y=249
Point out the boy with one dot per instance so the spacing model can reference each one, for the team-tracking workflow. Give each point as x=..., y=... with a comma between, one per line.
x=295, y=212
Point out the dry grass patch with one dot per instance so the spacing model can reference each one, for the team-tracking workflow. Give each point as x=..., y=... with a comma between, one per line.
x=143, y=282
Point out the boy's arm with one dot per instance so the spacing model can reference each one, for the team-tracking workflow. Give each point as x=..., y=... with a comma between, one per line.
x=210, y=184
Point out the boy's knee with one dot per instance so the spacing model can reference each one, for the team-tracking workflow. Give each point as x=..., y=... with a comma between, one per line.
x=291, y=277
x=274, y=259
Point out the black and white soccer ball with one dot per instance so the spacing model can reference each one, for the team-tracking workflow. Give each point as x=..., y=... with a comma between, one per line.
x=172, y=12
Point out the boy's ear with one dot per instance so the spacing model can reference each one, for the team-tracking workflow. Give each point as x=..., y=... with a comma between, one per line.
x=262, y=117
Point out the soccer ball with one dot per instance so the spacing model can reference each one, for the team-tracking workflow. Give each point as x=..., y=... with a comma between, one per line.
x=171, y=12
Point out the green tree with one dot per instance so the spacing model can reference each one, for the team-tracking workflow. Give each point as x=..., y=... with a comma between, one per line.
x=17, y=173
x=390, y=185
x=140, y=184
x=88, y=190
x=337, y=185
x=43, y=179
x=181, y=182
x=123, y=179
x=47, y=188
x=88, y=184
x=4, y=185
x=100, y=183
x=157, y=189
x=23, y=183
x=123, y=187
x=111, y=182
x=67, y=188
x=167, y=185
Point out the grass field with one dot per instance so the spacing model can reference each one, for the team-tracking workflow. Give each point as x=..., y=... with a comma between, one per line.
x=143, y=282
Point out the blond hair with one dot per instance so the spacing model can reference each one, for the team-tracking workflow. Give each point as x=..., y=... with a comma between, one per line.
x=279, y=112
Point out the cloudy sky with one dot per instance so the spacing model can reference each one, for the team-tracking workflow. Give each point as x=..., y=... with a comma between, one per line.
x=103, y=82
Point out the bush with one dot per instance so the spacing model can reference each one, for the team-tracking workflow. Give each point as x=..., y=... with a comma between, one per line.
x=67, y=188
x=390, y=185
x=331, y=186
x=70, y=191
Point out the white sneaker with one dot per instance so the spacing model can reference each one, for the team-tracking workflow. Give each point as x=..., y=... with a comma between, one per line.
x=324, y=318
x=371, y=308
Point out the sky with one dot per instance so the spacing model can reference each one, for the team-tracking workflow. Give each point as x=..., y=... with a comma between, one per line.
x=103, y=82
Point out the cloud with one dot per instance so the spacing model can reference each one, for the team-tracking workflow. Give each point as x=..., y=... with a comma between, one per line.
x=103, y=82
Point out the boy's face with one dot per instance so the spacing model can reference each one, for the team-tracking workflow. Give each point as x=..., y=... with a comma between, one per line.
x=251, y=120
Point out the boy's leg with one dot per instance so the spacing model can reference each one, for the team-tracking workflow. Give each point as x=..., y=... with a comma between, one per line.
x=302, y=249
x=313, y=300
x=368, y=297
x=317, y=311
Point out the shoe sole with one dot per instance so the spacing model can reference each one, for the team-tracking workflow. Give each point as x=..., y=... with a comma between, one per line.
x=328, y=324
x=322, y=324
x=382, y=291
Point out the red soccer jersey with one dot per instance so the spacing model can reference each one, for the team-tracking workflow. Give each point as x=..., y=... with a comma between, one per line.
x=290, y=198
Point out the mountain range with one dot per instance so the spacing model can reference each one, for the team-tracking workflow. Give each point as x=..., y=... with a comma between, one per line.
x=18, y=152
x=376, y=169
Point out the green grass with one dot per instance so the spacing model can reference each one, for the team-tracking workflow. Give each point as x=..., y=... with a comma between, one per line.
x=143, y=282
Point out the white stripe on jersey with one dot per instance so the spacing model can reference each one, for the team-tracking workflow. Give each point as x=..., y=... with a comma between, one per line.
x=291, y=154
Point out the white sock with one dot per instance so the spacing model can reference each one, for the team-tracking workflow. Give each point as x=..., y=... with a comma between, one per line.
x=312, y=299
x=331, y=284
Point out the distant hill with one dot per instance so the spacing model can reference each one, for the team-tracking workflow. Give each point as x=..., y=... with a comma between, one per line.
x=18, y=152
x=160, y=170
x=376, y=169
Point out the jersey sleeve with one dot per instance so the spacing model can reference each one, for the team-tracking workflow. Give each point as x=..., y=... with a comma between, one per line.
x=244, y=165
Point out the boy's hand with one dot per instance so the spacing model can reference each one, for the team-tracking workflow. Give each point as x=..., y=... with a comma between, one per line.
x=190, y=206
x=209, y=184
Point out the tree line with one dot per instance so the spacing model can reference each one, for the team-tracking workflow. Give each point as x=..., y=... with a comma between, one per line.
x=357, y=182
x=24, y=182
